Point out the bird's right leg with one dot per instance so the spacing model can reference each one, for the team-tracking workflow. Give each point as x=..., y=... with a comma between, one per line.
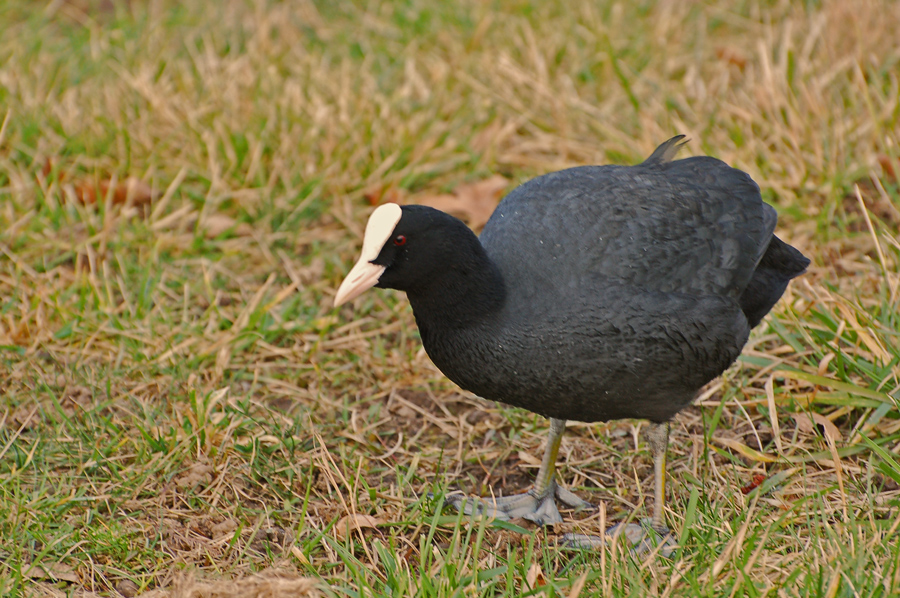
x=645, y=535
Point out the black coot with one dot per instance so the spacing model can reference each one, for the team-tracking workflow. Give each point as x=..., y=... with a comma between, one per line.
x=594, y=293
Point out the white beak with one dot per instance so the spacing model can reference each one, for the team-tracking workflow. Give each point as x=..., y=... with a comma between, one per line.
x=364, y=275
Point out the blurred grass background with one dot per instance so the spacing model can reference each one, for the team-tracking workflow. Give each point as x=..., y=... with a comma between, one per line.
x=183, y=185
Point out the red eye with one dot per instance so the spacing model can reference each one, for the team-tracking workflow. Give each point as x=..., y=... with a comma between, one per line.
x=399, y=240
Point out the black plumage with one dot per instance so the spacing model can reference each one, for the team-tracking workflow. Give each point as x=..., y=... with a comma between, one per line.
x=597, y=292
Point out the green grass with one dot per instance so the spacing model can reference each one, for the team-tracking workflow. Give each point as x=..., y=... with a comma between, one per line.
x=181, y=403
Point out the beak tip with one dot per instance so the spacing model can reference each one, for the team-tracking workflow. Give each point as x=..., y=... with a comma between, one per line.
x=363, y=276
x=341, y=297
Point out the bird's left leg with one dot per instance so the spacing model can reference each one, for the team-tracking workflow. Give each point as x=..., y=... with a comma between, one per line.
x=539, y=503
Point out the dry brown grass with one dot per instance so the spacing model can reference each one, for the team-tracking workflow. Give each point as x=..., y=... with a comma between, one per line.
x=179, y=394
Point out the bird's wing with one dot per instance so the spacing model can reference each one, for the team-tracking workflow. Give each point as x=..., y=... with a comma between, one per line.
x=692, y=226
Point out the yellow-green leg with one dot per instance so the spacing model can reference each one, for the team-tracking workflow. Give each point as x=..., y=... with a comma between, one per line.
x=658, y=437
x=547, y=473
x=644, y=536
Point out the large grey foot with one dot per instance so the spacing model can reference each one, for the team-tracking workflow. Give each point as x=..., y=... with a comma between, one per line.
x=539, y=507
x=642, y=537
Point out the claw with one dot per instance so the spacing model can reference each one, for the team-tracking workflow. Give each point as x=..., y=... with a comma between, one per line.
x=643, y=538
x=538, y=508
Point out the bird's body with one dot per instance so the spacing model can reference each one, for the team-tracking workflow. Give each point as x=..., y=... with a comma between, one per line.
x=594, y=362
x=594, y=293
x=608, y=292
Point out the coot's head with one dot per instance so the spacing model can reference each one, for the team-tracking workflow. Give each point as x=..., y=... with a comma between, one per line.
x=405, y=248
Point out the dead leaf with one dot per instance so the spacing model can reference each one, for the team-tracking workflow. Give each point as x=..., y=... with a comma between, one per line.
x=56, y=571
x=732, y=56
x=219, y=224
x=81, y=8
x=131, y=189
x=378, y=195
x=472, y=202
x=807, y=422
x=535, y=577
x=354, y=522
x=754, y=484
x=269, y=439
x=269, y=583
x=890, y=166
x=87, y=192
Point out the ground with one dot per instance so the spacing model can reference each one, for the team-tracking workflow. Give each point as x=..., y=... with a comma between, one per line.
x=184, y=184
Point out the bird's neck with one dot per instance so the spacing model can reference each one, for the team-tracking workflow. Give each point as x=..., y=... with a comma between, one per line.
x=458, y=318
x=466, y=292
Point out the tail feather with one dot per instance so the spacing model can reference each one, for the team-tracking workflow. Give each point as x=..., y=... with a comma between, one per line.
x=666, y=151
x=778, y=266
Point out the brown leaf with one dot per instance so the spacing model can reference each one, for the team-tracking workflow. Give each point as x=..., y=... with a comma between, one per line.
x=375, y=196
x=472, y=202
x=56, y=571
x=807, y=422
x=889, y=166
x=732, y=56
x=132, y=188
x=218, y=224
x=72, y=8
x=354, y=522
x=269, y=583
x=535, y=577
x=754, y=484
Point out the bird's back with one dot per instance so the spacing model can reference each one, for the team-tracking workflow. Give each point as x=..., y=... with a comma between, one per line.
x=693, y=226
